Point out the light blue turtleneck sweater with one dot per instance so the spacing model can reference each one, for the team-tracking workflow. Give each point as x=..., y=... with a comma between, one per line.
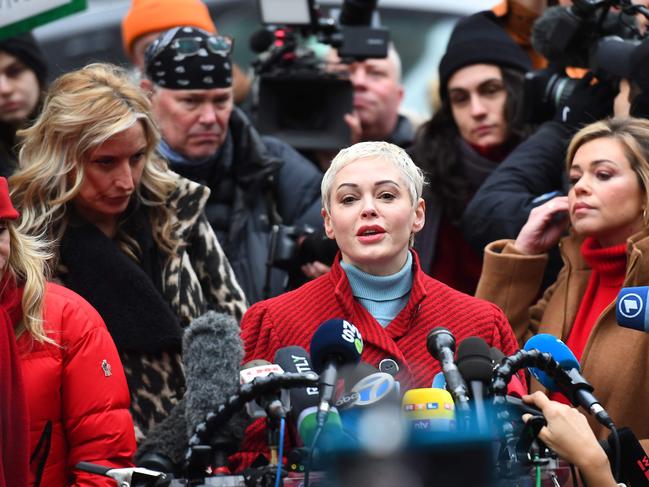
x=382, y=296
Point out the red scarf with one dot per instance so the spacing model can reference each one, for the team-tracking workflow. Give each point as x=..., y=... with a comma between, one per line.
x=604, y=284
x=14, y=424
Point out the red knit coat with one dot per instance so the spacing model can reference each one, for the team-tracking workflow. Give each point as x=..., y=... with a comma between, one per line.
x=80, y=388
x=292, y=318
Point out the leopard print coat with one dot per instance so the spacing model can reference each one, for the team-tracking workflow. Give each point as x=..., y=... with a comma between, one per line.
x=197, y=278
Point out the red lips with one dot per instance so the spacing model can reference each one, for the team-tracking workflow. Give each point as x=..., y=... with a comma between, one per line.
x=370, y=230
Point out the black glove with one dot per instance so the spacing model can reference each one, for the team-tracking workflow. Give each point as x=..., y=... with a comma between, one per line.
x=587, y=103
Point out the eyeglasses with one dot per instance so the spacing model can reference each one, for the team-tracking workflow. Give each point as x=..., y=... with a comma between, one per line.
x=191, y=46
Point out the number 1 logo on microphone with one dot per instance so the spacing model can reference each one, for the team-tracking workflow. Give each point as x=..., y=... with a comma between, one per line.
x=352, y=335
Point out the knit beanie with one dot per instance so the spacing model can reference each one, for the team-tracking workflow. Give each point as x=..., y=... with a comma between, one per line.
x=25, y=48
x=146, y=16
x=187, y=58
x=478, y=39
x=7, y=210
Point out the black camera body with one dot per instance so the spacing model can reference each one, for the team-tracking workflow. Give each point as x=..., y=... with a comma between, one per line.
x=297, y=100
x=578, y=36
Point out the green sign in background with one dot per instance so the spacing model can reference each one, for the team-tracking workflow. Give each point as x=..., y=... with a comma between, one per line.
x=30, y=23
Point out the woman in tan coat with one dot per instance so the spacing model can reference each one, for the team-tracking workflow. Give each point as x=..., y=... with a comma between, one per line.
x=608, y=165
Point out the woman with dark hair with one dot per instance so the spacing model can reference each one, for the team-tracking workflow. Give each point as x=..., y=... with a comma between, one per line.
x=477, y=125
x=23, y=71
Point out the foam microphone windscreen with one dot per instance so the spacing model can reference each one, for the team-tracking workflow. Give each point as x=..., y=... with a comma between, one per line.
x=547, y=343
x=474, y=360
x=167, y=439
x=335, y=340
x=212, y=353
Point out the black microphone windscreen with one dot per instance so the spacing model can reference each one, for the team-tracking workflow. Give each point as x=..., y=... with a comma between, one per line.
x=167, y=438
x=555, y=35
x=496, y=355
x=357, y=12
x=261, y=40
x=335, y=340
x=474, y=360
x=297, y=359
x=634, y=464
x=212, y=353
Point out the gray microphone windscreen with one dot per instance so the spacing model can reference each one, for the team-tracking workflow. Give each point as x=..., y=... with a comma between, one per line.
x=212, y=354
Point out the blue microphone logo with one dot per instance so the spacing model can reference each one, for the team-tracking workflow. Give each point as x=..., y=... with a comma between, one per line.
x=630, y=305
x=631, y=308
x=373, y=388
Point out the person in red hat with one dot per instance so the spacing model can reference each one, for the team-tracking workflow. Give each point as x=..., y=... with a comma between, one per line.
x=64, y=399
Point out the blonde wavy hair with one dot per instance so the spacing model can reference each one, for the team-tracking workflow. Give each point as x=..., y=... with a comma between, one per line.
x=26, y=266
x=83, y=109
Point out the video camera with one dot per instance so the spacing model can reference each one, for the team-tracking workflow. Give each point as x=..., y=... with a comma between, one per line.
x=297, y=99
x=584, y=35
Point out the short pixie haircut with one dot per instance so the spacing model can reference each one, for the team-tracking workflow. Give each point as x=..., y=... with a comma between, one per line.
x=412, y=175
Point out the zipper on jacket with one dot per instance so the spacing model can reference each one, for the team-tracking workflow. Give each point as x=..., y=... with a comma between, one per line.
x=44, y=443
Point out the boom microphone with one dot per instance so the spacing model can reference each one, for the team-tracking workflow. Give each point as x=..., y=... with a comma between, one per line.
x=335, y=343
x=212, y=352
x=575, y=388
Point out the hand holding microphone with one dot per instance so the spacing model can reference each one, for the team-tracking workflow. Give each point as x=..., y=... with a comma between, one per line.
x=569, y=382
x=569, y=435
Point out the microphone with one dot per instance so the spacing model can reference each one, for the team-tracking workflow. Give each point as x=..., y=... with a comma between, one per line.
x=261, y=40
x=212, y=352
x=428, y=410
x=631, y=308
x=304, y=401
x=634, y=461
x=572, y=384
x=335, y=343
x=273, y=405
x=475, y=364
x=515, y=387
x=357, y=12
x=440, y=343
x=554, y=35
x=439, y=381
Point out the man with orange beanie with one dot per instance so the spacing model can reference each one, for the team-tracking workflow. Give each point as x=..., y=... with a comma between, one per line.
x=148, y=18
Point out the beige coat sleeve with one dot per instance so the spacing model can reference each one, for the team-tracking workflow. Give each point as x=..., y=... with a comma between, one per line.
x=512, y=281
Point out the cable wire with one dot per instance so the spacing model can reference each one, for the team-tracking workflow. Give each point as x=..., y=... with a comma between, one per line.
x=309, y=462
x=278, y=475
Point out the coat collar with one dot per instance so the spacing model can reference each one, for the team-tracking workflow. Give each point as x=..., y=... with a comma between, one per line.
x=373, y=332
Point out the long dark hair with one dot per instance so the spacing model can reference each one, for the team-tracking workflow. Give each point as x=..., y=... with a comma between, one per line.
x=436, y=150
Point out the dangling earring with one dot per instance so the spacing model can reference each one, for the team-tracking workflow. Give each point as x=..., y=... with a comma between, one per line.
x=644, y=216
